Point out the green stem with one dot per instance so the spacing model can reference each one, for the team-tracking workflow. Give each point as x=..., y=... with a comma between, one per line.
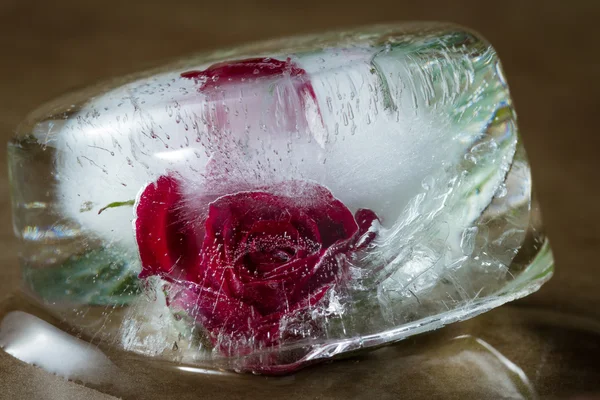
x=117, y=204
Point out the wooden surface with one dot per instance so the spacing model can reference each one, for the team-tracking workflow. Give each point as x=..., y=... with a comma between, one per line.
x=548, y=48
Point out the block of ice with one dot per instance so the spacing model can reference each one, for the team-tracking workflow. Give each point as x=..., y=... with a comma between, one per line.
x=283, y=203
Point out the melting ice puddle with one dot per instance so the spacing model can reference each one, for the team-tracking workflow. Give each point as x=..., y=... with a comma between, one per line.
x=35, y=341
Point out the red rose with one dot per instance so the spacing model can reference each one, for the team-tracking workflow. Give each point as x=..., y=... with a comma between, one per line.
x=247, y=266
x=252, y=259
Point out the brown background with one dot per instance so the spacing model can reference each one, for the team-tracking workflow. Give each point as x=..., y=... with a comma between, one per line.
x=549, y=50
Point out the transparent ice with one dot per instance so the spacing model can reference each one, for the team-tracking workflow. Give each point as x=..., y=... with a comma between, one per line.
x=415, y=123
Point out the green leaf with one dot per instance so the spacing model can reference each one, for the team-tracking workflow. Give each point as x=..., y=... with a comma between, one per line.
x=98, y=277
x=116, y=204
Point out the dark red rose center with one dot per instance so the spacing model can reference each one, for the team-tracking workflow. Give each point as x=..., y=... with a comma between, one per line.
x=270, y=244
x=263, y=258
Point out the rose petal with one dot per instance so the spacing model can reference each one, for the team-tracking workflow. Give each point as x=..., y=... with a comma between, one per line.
x=365, y=219
x=167, y=243
x=334, y=221
x=248, y=70
x=278, y=292
x=234, y=326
